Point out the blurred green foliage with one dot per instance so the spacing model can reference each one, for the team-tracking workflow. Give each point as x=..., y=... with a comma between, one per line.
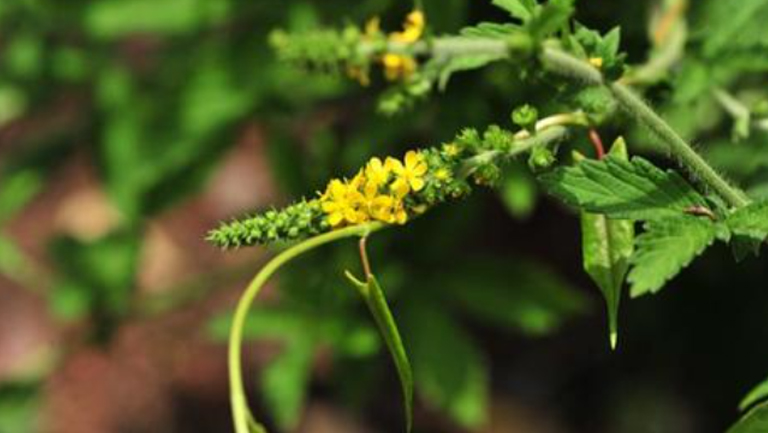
x=155, y=92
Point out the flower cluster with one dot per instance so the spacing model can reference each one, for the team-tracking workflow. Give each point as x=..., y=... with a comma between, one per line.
x=377, y=193
x=390, y=191
x=401, y=66
x=387, y=190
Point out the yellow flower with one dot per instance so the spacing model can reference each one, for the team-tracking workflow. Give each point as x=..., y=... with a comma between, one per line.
x=413, y=28
x=596, y=62
x=443, y=174
x=398, y=67
x=342, y=203
x=408, y=176
x=377, y=172
x=451, y=149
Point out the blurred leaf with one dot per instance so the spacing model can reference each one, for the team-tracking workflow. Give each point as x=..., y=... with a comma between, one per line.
x=377, y=304
x=284, y=381
x=516, y=293
x=723, y=28
x=755, y=421
x=13, y=103
x=103, y=271
x=17, y=189
x=758, y=393
x=116, y=18
x=520, y=9
x=607, y=245
x=518, y=191
x=347, y=336
x=623, y=189
x=19, y=408
x=665, y=248
x=449, y=370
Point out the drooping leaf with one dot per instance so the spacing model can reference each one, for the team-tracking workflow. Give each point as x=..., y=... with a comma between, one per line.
x=377, y=304
x=755, y=421
x=450, y=372
x=607, y=245
x=750, y=221
x=620, y=189
x=758, y=393
x=665, y=248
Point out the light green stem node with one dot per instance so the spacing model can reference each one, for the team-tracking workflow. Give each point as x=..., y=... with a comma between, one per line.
x=242, y=417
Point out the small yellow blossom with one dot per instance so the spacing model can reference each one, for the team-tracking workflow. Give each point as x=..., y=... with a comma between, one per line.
x=377, y=172
x=596, y=62
x=451, y=149
x=408, y=176
x=399, y=66
x=443, y=174
x=342, y=203
x=413, y=28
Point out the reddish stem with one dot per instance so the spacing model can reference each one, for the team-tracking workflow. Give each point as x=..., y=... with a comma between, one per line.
x=597, y=142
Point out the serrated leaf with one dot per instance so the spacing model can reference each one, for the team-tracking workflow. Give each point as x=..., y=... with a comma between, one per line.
x=758, y=393
x=520, y=9
x=550, y=18
x=377, y=304
x=665, y=248
x=755, y=421
x=620, y=189
x=607, y=245
x=750, y=221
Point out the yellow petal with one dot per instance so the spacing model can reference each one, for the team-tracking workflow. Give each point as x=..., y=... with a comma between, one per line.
x=401, y=217
x=395, y=165
x=417, y=183
x=412, y=159
x=335, y=219
x=400, y=188
x=420, y=169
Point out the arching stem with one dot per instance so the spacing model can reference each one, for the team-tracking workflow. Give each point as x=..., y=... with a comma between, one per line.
x=241, y=415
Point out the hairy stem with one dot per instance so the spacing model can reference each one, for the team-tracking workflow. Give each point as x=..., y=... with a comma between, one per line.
x=568, y=65
x=677, y=146
x=241, y=415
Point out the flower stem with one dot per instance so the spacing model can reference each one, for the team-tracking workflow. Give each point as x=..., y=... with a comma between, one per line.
x=241, y=415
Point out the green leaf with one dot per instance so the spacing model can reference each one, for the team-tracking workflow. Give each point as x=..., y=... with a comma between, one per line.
x=377, y=304
x=550, y=18
x=758, y=393
x=623, y=189
x=520, y=9
x=450, y=371
x=464, y=63
x=665, y=248
x=518, y=294
x=518, y=191
x=284, y=381
x=607, y=245
x=750, y=221
x=113, y=19
x=755, y=421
